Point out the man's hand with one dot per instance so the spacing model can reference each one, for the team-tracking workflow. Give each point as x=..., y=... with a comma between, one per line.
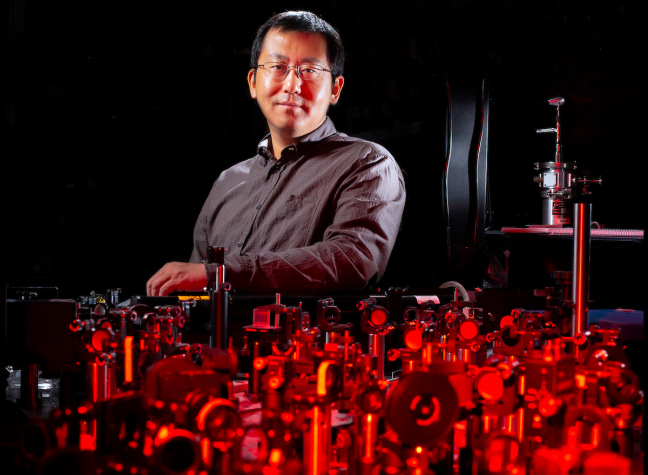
x=177, y=276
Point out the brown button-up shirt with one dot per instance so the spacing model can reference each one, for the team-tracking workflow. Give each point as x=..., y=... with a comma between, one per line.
x=322, y=218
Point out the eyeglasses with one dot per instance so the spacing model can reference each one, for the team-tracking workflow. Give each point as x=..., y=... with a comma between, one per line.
x=307, y=72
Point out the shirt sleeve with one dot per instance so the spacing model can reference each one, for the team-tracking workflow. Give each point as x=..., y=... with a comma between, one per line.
x=356, y=245
x=201, y=231
x=200, y=235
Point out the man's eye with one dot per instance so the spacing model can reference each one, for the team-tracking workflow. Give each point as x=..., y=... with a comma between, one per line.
x=278, y=67
x=308, y=70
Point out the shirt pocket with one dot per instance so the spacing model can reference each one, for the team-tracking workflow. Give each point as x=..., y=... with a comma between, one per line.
x=300, y=207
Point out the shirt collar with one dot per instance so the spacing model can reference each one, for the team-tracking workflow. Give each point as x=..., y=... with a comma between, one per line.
x=301, y=143
x=265, y=155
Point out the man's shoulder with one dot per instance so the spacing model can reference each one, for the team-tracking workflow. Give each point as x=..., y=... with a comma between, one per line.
x=356, y=147
x=241, y=168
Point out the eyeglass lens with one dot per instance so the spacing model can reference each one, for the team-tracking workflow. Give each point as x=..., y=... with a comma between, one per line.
x=305, y=71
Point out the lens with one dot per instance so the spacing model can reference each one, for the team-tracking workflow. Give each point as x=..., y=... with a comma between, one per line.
x=308, y=71
x=276, y=70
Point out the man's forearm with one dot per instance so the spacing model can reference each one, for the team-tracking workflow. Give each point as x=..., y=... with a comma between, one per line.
x=323, y=267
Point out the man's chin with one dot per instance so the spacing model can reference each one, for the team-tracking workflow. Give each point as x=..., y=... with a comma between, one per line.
x=294, y=128
x=291, y=129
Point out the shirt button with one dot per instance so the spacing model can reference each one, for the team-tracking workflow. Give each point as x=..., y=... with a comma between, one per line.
x=239, y=244
x=258, y=207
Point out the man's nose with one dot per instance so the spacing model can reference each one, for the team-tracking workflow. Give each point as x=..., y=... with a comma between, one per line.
x=292, y=82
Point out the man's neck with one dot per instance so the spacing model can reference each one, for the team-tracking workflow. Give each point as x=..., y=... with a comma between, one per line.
x=278, y=144
x=280, y=141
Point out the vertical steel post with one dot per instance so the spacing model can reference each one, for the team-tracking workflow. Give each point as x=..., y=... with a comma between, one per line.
x=581, y=267
x=218, y=300
x=29, y=386
x=377, y=348
x=317, y=441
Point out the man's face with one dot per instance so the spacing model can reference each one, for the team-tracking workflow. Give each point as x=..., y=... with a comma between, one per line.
x=292, y=106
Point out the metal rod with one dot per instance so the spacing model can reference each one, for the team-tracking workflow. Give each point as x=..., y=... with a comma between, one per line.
x=213, y=310
x=369, y=428
x=377, y=348
x=254, y=382
x=464, y=354
x=317, y=442
x=222, y=302
x=97, y=382
x=219, y=300
x=29, y=386
x=581, y=267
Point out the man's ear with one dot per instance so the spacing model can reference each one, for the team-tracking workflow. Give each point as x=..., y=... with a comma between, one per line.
x=252, y=83
x=337, y=89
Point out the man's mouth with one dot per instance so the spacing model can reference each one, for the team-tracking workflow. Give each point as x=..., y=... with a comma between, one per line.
x=290, y=104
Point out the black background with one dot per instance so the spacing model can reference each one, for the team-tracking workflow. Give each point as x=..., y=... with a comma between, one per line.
x=120, y=115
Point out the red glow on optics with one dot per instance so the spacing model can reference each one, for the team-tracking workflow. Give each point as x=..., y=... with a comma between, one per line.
x=414, y=340
x=206, y=410
x=128, y=359
x=549, y=406
x=86, y=442
x=501, y=455
x=162, y=434
x=260, y=363
x=378, y=317
x=148, y=450
x=596, y=435
x=206, y=449
x=469, y=330
x=98, y=338
x=460, y=439
x=506, y=321
x=601, y=355
x=275, y=457
x=490, y=386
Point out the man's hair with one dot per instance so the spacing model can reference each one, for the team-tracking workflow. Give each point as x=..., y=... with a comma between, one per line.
x=306, y=22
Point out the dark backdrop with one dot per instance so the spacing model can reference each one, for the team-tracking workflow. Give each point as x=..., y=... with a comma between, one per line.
x=120, y=115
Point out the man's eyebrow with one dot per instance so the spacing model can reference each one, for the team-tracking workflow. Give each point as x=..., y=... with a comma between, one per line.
x=310, y=59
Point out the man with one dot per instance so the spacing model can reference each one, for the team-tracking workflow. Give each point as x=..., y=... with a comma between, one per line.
x=314, y=211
